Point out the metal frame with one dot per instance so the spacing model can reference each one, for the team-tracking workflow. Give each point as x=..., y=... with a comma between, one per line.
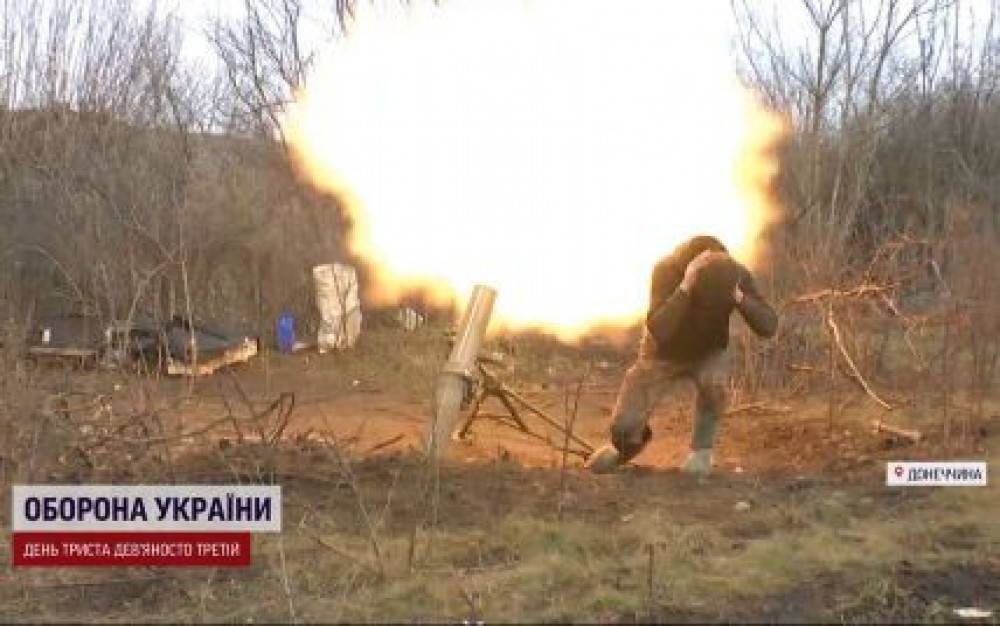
x=489, y=385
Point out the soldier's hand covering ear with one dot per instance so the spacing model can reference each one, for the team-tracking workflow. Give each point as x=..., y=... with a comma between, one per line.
x=757, y=313
x=700, y=261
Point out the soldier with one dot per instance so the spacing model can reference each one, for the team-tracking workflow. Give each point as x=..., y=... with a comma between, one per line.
x=694, y=290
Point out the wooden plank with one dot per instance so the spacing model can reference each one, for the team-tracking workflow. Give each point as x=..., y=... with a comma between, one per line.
x=238, y=354
x=82, y=353
x=911, y=435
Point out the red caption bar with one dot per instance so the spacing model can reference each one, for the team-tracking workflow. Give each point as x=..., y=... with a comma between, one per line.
x=69, y=549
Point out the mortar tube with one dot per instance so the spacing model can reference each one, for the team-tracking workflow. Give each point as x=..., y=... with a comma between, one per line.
x=459, y=369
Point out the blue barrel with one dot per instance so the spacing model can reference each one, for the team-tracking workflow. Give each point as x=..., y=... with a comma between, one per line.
x=285, y=332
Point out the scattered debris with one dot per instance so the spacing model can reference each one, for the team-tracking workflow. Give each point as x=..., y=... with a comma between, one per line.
x=910, y=435
x=758, y=408
x=858, y=292
x=795, y=367
x=742, y=506
x=848, y=536
x=971, y=612
x=385, y=444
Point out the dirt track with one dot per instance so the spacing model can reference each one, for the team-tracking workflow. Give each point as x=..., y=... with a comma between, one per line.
x=779, y=437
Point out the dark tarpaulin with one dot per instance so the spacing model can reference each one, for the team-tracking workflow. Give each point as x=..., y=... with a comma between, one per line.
x=210, y=340
x=142, y=339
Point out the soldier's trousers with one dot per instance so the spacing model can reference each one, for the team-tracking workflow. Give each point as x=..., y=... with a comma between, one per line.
x=649, y=379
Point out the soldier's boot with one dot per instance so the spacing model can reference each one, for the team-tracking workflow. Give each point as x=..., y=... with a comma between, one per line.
x=623, y=448
x=709, y=405
x=641, y=388
x=604, y=460
x=698, y=463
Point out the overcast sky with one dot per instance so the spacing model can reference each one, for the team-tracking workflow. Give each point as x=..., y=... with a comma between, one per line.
x=195, y=15
x=789, y=15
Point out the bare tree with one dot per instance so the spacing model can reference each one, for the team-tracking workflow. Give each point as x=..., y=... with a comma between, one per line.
x=265, y=60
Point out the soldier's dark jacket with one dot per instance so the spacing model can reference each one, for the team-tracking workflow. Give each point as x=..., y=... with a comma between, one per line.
x=689, y=326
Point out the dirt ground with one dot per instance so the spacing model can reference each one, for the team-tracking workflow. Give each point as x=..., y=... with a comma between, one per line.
x=795, y=524
x=790, y=437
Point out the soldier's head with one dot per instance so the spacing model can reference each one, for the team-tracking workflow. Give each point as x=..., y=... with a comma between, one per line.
x=716, y=280
x=694, y=246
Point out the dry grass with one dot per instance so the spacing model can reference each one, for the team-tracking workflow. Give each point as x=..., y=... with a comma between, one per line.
x=501, y=554
x=568, y=571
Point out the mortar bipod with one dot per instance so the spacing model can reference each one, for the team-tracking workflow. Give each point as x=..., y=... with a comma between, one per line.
x=487, y=384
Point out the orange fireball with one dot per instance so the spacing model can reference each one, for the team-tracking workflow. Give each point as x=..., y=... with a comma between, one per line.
x=552, y=150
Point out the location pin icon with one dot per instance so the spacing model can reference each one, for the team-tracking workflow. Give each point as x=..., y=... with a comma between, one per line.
x=899, y=471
